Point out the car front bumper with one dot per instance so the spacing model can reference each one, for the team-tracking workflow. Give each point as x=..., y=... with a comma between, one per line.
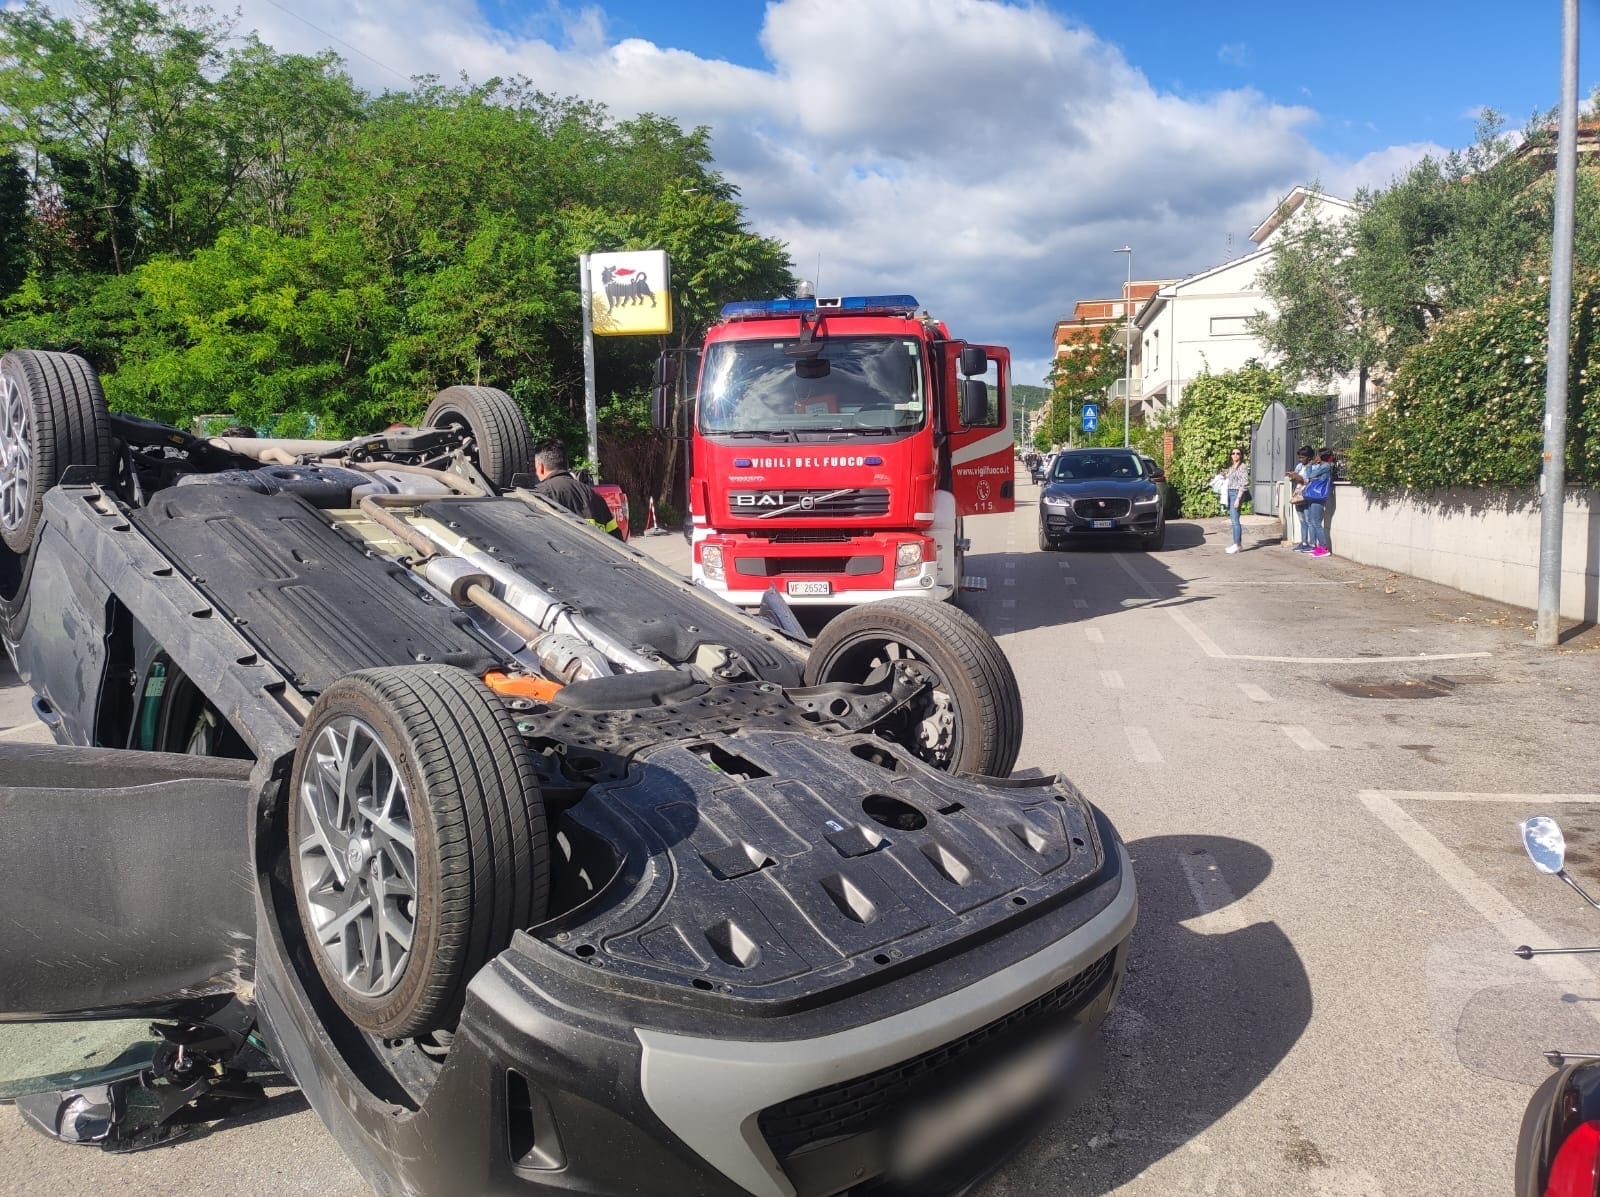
x=1060, y=523
x=566, y=1081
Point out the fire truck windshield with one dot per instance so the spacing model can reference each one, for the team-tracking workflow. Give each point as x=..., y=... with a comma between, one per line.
x=854, y=385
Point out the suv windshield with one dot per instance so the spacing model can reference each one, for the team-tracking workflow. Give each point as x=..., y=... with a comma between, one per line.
x=1074, y=466
x=868, y=385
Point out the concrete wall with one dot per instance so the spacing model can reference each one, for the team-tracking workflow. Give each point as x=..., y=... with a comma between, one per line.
x=1484, y=543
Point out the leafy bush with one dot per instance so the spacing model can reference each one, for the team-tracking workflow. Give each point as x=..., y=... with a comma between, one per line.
x=1467, y=406
x=1216, y=413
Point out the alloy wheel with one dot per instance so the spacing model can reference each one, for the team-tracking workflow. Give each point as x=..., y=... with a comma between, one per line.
x=358, y=865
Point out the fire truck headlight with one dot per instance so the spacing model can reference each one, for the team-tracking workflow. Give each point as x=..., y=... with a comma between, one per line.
x=711, y=561
x=908, y=560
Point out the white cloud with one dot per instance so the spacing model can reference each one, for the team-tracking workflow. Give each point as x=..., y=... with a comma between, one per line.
x=1234, y=54
x=985, y=156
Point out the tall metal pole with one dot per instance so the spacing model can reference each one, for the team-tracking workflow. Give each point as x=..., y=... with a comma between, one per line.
x=1553, y=479
x=591, y=417
x=1127, y=343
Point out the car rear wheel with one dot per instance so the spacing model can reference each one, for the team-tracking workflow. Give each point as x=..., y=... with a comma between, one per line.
x=418, y=842
x=52, y=416
x=501, y=445
x=971, y=721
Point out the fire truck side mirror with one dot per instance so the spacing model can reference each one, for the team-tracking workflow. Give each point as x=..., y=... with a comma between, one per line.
x=974, y=361
x=974, y=400
x=661, y=400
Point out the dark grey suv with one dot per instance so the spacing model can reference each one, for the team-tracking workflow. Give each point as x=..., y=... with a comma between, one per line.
x=1092, y=493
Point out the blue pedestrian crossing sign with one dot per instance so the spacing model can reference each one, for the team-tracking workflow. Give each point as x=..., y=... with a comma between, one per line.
x=1091, y=417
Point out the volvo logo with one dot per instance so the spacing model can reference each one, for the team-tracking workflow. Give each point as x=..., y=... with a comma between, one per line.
x=807, y=502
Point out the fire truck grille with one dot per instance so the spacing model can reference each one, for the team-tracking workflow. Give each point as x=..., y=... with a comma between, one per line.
x=809, y=504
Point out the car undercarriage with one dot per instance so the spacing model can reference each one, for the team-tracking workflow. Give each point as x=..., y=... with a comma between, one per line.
x=468, y=817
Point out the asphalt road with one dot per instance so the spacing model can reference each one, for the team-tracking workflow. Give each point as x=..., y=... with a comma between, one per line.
x=1321, y=996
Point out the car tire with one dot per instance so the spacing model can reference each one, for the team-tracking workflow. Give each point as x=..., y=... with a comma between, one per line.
x=437, y=741
x=977, y=700
x=1155, y=543
x=52, y=416
x=502, y=445
x=1046, y=545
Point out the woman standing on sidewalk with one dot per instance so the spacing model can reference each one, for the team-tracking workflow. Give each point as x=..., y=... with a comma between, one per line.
x=1236, y=475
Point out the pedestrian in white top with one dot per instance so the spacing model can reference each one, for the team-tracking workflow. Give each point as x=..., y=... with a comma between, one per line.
x=1237, y=476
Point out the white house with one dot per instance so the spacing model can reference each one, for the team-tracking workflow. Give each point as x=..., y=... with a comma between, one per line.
x=1201, y=323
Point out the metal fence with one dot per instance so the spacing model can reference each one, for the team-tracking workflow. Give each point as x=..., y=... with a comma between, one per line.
x=1323, y=424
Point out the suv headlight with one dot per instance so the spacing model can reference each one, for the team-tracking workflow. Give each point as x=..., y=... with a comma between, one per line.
x=1148, y=500
x=711, y=561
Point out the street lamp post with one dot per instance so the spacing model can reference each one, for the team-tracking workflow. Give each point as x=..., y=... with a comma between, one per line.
x=1127, y=343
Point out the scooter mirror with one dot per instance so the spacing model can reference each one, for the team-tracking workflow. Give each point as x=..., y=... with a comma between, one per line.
x=1547, y=847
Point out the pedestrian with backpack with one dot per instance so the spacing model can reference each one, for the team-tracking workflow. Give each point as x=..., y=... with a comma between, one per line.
x=1314, y=483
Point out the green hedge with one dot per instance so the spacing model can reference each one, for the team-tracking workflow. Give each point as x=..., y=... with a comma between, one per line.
x=1466, y=407
x=1216, y=413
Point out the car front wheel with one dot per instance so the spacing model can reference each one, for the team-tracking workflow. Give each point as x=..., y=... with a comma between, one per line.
x=417, y=841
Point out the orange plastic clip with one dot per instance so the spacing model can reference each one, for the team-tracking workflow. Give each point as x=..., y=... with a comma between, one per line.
x=523, y=685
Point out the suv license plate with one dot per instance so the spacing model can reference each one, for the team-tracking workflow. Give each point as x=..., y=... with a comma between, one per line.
x=1102, y=523
x=810, y=588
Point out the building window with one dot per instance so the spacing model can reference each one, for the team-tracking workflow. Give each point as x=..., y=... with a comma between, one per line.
x=1155, y=353
x=1230, y=326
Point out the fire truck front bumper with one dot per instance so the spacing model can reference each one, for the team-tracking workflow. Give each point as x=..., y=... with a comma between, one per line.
x=815, y=572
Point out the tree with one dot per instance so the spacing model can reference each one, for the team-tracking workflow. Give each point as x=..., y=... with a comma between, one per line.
x=1444, y=237
x=1083, y=373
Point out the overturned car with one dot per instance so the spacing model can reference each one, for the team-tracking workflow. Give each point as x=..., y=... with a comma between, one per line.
x=538, y=869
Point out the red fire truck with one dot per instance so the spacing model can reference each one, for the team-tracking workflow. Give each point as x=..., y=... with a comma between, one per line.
x=836, y=446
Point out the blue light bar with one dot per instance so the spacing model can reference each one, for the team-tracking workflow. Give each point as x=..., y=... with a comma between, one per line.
x=748, y=309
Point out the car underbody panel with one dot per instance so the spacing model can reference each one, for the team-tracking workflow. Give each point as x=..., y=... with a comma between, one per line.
x=137, y=864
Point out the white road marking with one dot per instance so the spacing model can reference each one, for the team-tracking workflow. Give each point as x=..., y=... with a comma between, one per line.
x=1303, y=738
x=1112, y=679
x=1008, y=581
x=1144, y=748
x=1011, y=565
x=1069, y=581
x=1008, y=603
x=1081, y=604
x=1508, y=919
x=1063, y=563
x=1219, y=909
x=1094, y=635
x=1211, y=648
x=1254, y=693
x=1521, y=799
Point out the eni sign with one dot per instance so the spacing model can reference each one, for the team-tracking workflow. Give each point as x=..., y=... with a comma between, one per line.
x=629, y=293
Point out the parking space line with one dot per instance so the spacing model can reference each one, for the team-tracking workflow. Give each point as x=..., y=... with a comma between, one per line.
x=1254, y=693
x=1008, y=581
x=1094, y=635
x=1495, y=908
x=1144, y=748
x=1303, y=738
x=1112, y=679
x=1080, y=604
x=1069, y=581
x=1011, y=565
x=1452, y=796
x=1008, y=603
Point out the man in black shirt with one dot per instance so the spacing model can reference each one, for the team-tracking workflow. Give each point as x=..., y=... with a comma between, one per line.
x=559, y=485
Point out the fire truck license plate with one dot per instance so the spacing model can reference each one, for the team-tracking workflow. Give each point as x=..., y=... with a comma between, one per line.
x=809, y=588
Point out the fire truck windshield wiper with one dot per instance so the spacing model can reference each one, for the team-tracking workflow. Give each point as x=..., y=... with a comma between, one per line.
x=787, y=434
x=870, y=430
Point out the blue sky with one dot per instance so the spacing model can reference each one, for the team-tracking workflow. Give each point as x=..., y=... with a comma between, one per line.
x=988, y=155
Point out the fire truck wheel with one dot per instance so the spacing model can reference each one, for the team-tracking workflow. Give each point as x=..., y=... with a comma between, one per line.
x=502, y=446
x=971, y=720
